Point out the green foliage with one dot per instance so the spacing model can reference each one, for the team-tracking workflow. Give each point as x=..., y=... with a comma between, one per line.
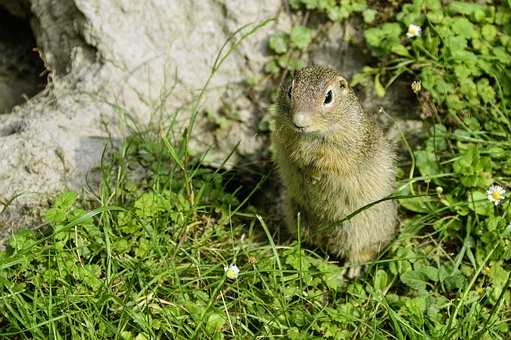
x=283, y=44
x=335, y=10
x=384, y=39
x=148, y=261
x=289, y=47
x=279, y=43
x=468, y=45
x=462, y=58
x=300, y=37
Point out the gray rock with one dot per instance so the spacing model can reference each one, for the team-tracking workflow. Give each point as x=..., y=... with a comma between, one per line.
x=111, y=61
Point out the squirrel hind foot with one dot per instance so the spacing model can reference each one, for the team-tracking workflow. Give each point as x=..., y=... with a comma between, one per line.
x=357, y=260
x=354, y=271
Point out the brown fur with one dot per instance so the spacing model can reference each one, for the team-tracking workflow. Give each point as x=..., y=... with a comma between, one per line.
x=336, y=162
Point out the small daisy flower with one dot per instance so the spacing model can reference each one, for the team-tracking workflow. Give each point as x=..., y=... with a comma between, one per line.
x=495, y=194
x=413, y=31
x=232, y=271
x=416, y=86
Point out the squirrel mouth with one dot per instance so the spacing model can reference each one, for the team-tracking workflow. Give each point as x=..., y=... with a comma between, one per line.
x=306, y=131
x=300, y=129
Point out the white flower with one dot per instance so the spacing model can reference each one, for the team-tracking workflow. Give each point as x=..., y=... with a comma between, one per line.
x=495, y=194
x=413, y=31
x=232, y=271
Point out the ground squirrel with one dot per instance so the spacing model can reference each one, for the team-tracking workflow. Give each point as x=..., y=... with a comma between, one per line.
x=333, y=159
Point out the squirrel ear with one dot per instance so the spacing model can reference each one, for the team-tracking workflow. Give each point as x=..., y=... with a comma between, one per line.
x=343, y=83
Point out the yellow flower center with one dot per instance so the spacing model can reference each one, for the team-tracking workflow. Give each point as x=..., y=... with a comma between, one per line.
x=496, y=195
x=231, y=274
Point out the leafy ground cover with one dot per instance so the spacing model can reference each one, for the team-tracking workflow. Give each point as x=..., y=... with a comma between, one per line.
x=157, y=253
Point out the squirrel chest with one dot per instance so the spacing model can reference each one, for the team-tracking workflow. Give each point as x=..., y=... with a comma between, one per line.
x=325, y=193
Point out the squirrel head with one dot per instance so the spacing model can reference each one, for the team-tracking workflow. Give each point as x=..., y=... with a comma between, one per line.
x=318, y=101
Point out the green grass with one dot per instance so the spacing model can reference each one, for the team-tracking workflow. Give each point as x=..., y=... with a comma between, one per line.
x=146, y=257
x=149, y=262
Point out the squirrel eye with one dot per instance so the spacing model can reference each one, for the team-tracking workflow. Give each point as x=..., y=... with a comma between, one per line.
x=289, y=91
x=328, y=97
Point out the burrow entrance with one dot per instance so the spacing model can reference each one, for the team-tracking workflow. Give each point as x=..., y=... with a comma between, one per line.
x=21, y=68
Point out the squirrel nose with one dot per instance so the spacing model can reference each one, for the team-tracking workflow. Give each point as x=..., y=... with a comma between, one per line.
x=301, y=119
